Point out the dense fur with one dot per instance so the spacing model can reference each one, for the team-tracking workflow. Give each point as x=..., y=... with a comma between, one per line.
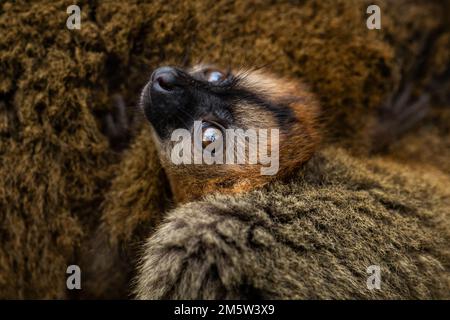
x=310, y=238
x=58, y=175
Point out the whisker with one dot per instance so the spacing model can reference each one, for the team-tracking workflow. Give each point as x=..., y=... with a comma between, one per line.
x=186, y=113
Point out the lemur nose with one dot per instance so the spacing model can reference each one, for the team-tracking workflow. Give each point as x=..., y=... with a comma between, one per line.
x=164, y=79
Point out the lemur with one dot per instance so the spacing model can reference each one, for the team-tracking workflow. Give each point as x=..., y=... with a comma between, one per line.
x=239, y=99
x=177, y=98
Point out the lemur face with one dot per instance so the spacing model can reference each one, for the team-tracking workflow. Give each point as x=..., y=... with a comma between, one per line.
x=213, y=102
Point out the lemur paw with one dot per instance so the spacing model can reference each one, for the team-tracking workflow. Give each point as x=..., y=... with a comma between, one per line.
x=117, y=123
x=401, y=112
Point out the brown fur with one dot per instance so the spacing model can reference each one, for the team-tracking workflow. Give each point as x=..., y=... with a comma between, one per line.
x=59, y=178
x=311, y=237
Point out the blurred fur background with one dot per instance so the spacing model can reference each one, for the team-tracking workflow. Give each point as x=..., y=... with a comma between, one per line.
x=67, y=198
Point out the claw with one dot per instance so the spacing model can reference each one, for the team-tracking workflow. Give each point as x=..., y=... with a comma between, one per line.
x=116, y=124
x=400, y=114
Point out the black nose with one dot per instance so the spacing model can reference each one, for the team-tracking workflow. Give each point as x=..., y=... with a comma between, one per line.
x=165, y=94
x=164, y=79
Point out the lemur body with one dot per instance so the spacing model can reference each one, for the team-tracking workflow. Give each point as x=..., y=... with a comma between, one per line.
x=244, y=99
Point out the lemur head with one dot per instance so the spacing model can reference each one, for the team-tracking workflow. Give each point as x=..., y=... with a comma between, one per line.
x=273, y=119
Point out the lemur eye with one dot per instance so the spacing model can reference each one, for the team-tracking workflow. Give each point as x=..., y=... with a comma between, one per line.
x=210, y=133
x=214, y=76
